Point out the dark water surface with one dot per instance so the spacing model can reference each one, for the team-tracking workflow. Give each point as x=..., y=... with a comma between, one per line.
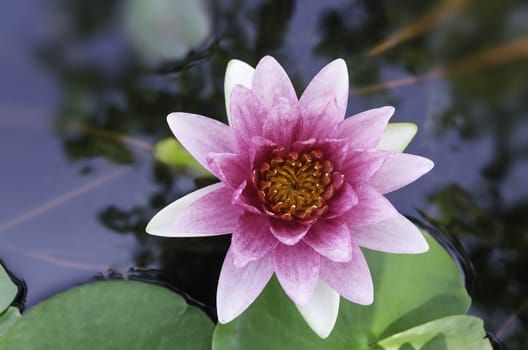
x=80, y=112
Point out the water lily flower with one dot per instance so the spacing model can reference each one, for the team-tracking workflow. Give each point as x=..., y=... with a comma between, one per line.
x=301, y=190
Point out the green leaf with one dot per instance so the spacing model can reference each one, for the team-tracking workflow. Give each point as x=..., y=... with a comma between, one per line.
x=397, y=136
x=409, y=290
x=452, y=332
x=8, y=318
x=111, y=315
x=171, y=152
x=8, y=290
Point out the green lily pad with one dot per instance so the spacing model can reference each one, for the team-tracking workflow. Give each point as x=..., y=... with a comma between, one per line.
x=397, y=136
x=452, y=332
x=171, y=152
x=124, y=315
x=8, y=318
x=410, y=290
x=8, y=290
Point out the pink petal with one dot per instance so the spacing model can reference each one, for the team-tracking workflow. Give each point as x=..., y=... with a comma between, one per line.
x=245, y=197
x=364, y=130
x=283, y=124
x=330, y=238
x=271, y=83
x=252, y=239
x=247, y=115
x=334, y=150
x=239, y=287
x=213, y=214
x=201, y=135
x=351, y=279
x=399, y=170
x=320, y=117
x=394, y=235
x=297, y=268
x=372, y=207
x=361, y=164
x=260, y=151
x=332, y=80
x=288, y=232
x=162, y=223
x=231, y=168
x=343, y=201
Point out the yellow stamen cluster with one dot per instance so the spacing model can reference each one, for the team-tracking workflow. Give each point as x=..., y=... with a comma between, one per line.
x=296, y=186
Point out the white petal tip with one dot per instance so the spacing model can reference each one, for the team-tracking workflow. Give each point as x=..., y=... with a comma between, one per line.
x=320, y=313
x=234, y=62
x=158, y=226
x=267, y=59
x=365, y=296
x=162, y=224
x=227, y=313
x=429, y=164
x=324, y=331
x=174, y=120
x=341, y=62
x=419, y=244
x=422, y=247
x=223, y=319
x=150, y=230
x=237, y=73
x=423, y=165
x=172, y=116
x=368, y=300
x=389, y=110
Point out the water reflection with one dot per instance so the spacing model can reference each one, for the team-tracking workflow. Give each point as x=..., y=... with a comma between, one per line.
x=457, y=68
x=163, y=30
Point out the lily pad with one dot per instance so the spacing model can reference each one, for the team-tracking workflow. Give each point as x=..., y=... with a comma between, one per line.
x=171, y=152
x=111, y=315
x=397, y=136
x=8, y=290
x=452, y=332
x=8, y=318
x=410, y=290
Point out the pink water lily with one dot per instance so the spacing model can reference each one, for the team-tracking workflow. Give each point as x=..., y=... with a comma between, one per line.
x=301, y=190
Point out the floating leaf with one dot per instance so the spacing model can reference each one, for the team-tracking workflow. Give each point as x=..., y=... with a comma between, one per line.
x=397, y=136
x=410, y=290
x=8, y=318
x=8, y=290
x=111, y=315
x=171, y=152
x=452, y=332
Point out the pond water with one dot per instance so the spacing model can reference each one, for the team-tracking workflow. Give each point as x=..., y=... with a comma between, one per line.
x=84, y=96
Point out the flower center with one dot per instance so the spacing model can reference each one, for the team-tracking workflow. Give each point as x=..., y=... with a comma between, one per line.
x=295, y=185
